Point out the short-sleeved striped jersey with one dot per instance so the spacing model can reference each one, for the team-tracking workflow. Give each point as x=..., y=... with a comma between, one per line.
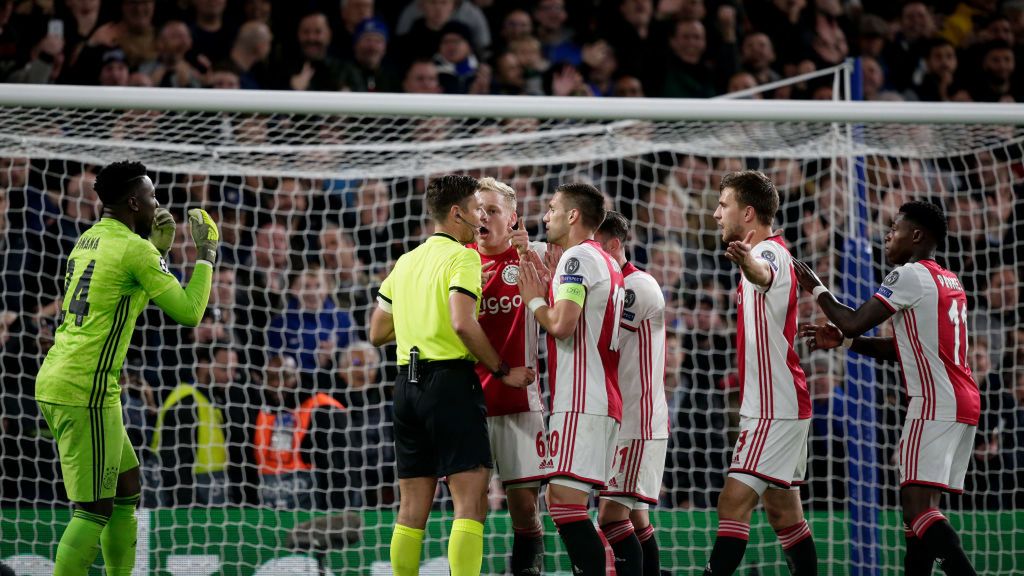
x=583, y=369
x=931, y=339
x=642, y=358
x=772, y=383
x=112, y=273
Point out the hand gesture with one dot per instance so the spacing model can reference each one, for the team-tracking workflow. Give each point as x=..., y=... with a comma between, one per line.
x=806, y=277
x=551, y=257
x=161, y=234
x=487, y=272
x=531, y=283
x=301, y=80
x=519, y=377
x=738, y=251
x=205, y=234
x=521, y=240
x=820, y=336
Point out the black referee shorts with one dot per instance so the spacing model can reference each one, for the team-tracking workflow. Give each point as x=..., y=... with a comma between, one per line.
x=441, y=421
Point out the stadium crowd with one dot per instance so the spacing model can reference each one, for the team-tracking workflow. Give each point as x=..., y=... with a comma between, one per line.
x=284, y=337
x=937, y=51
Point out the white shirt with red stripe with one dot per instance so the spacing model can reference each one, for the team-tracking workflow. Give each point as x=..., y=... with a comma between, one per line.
x=930, y=324
x=583, y=369
x=642, y=358
x=512, y=330
x=772, y=383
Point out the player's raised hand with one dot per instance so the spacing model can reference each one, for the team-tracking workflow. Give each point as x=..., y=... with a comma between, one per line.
x=739, y=251
x=161, y=234
x=551, y=257
x=820, y=336
x=806, y=277
x=519, y=377
x=530, y=284
x=205, y=234
x=487, y=272
x=521, y=240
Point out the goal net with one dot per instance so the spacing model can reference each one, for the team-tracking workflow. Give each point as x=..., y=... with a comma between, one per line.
x=317, y=196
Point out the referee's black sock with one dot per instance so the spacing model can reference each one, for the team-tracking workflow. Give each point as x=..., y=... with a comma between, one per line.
x=629, y=556
x=918, y=561
x=527, y=551
x=730, y=544
x=798, y=545
x=582, y=542
x=941, y=541
x=649, y=544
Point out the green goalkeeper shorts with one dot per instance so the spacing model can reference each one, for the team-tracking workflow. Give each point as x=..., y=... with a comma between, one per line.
x=93, y=447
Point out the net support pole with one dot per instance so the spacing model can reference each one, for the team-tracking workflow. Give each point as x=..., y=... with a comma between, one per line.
x=860, y=406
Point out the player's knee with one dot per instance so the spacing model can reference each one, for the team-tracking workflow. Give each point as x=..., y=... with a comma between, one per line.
x=781, y=517
x=104, y=507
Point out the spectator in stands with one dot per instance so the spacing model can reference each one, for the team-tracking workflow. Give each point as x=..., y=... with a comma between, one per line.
x=250, y=55
x=46, y=60
x=264, y=281
x=171, y=67
x=191, y=432
x=421, y=78
x=299, y=443
x=873, y=32
x=82, y=19
x=757, y=57
x=457, y=67
x=527, y=51
x=134, y=33
x=903, y=55
x=509, y=76
x=743, y=81
x=213, y=30
x=598, y=67
x=370, y=70
x=436, y=13
x=258, y=11
x=628, y=87
x=959, y=26
x=369, y=220
x=223, y=77
x=828, y=43
x=351, y=15
x=686, y=75
x=113, y=68
x=634, y=37
x=370, y=433
x=312, y=327
x=994, y=82
x=315, y=69
x=423, y=37
x=347, y=275
x=516, y=25
x=940, y=61
x=827, y=471
x=557, y=41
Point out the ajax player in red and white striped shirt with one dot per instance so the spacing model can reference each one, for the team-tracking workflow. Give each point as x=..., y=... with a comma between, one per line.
x=580, y=309
x=770, y=457
x=929, y=310
x=639, y=461
x=515, y=416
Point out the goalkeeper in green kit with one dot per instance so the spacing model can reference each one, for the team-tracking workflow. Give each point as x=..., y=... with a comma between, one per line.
x=112, y=274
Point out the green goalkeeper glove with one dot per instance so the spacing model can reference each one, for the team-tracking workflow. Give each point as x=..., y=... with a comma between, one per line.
x=162, y=233
x=205, y=234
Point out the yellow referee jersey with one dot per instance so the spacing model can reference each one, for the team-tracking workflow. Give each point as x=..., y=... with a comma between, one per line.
x=416, y=293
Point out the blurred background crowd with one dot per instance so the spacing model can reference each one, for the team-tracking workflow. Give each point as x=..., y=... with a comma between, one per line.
x=937, y=51
x=277, y=400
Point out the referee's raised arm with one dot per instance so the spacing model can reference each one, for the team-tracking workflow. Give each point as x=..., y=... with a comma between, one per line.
x=428, y=306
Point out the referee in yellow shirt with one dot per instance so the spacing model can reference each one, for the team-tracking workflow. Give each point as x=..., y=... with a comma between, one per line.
x=428, y=304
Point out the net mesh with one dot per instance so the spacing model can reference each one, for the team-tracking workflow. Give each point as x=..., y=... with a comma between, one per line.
x=315, y=209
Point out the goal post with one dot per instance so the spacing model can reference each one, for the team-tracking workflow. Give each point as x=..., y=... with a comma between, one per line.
x=332, y=185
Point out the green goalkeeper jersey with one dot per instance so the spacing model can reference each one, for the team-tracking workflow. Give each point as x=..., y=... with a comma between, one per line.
x=112, y=274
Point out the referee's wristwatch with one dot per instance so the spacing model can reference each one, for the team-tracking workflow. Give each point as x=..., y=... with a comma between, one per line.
x=502, y=370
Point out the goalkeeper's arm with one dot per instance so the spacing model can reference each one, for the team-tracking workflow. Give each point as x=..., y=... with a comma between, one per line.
x=184, y=305
x=187, y=305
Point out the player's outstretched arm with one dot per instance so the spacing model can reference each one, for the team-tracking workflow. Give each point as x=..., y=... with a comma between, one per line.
x=852, y=323
x=828, y=336
x=559, y=320
x=754, y=270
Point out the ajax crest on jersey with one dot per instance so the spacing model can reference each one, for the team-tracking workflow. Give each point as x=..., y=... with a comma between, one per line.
x=510, y=275
x=892, y=278
x=572, y=266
